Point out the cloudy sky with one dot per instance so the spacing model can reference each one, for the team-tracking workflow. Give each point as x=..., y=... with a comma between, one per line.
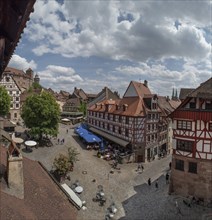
x=96, y=43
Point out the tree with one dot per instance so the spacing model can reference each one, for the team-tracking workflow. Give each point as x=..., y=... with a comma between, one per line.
x=41, y=114
x=72, y=155
x=83, y=108
x=61, y=165
x=4, y=101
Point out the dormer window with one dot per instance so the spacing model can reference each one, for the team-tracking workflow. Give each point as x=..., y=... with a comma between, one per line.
x=192, y=105
x=208, y=105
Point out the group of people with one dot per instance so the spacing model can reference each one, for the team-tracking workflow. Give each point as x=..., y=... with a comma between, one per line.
x=62, y=141
x=156, y=182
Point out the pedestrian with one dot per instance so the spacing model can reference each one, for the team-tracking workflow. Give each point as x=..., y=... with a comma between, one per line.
x=142, y=168
x=156, y=184
x=58, y=140
x=67, y=131
x=149, y=182
x=170, y=165
x=139, y=167
x=167, y=178
x=63, y=140
x=178, y=208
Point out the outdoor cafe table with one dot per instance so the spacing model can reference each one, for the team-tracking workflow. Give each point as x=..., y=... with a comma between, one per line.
x=78, y=189
x=29, y=144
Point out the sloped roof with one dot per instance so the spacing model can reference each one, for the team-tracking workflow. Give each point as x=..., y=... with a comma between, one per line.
x=15, y=71
x=130, y=106
x=105, y=94
x=12, y=27
x=42, y=197
x=140, y=88
x=184, y=92
x=72, y=101
x=164, y=105
x=203, y=91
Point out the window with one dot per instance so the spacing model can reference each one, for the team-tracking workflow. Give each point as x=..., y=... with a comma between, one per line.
x=149, y=116
x=179, y=165
x=192, y=105
x=11, y=92
x=15, y=115
x=208, y=105
x=17, y=105
x=185, y=145
x=192, y=167
x=17, y=99
x=17, y=92
x=119, y=130
x=114, y=129
x=120, y=119
x=210, y=126
x=186, y=125
x=127, y=133
x=127, y=120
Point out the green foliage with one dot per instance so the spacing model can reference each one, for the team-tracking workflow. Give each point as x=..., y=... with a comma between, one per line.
x=41, y=114
x=73, y=155
x=4, y=101
x=61, y=164
x=34, y=86
x=83, y=108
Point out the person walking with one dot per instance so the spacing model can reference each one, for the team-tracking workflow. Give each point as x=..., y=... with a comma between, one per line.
x=156, y=184
x=178, y=208
x=167, y=178
x=67, y=131
x=139, y=167
x=142, y=168
x=58, y=140
x=149, y=182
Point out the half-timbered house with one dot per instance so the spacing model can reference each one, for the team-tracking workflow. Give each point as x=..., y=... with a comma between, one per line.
x=192, y=144
x=135, y=120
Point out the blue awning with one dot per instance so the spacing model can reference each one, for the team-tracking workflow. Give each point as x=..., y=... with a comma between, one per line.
x=87, y=136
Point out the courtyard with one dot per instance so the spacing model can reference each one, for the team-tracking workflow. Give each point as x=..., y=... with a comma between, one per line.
x=126, y=187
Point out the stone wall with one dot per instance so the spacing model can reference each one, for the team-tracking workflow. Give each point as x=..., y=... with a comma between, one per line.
x=192, y=184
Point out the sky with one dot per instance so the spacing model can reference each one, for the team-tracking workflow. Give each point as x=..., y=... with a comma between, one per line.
x=91, y=44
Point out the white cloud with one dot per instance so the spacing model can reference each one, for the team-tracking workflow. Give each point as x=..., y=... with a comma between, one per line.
x=22, y=63
x=59, y=77
x=91, y=28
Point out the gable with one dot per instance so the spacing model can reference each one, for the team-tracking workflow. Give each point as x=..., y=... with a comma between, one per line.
x=131, y=91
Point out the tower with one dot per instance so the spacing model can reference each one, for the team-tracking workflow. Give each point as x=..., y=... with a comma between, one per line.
x=37, y=78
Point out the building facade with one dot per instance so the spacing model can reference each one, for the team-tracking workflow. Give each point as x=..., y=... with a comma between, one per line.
x=136, y=120
x=14, y=91
x=191, y=170
x=16, y=82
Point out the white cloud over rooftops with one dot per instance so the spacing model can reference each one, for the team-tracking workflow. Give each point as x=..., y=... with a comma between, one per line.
x=21, y=63
x=146, y=30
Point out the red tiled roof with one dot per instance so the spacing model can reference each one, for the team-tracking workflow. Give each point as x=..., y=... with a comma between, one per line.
x=141, y=89
x=42, y=197
x=15, y=71
x=133, y=106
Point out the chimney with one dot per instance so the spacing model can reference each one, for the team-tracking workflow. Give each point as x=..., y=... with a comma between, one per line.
x=146, y=83
x=15, y=176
